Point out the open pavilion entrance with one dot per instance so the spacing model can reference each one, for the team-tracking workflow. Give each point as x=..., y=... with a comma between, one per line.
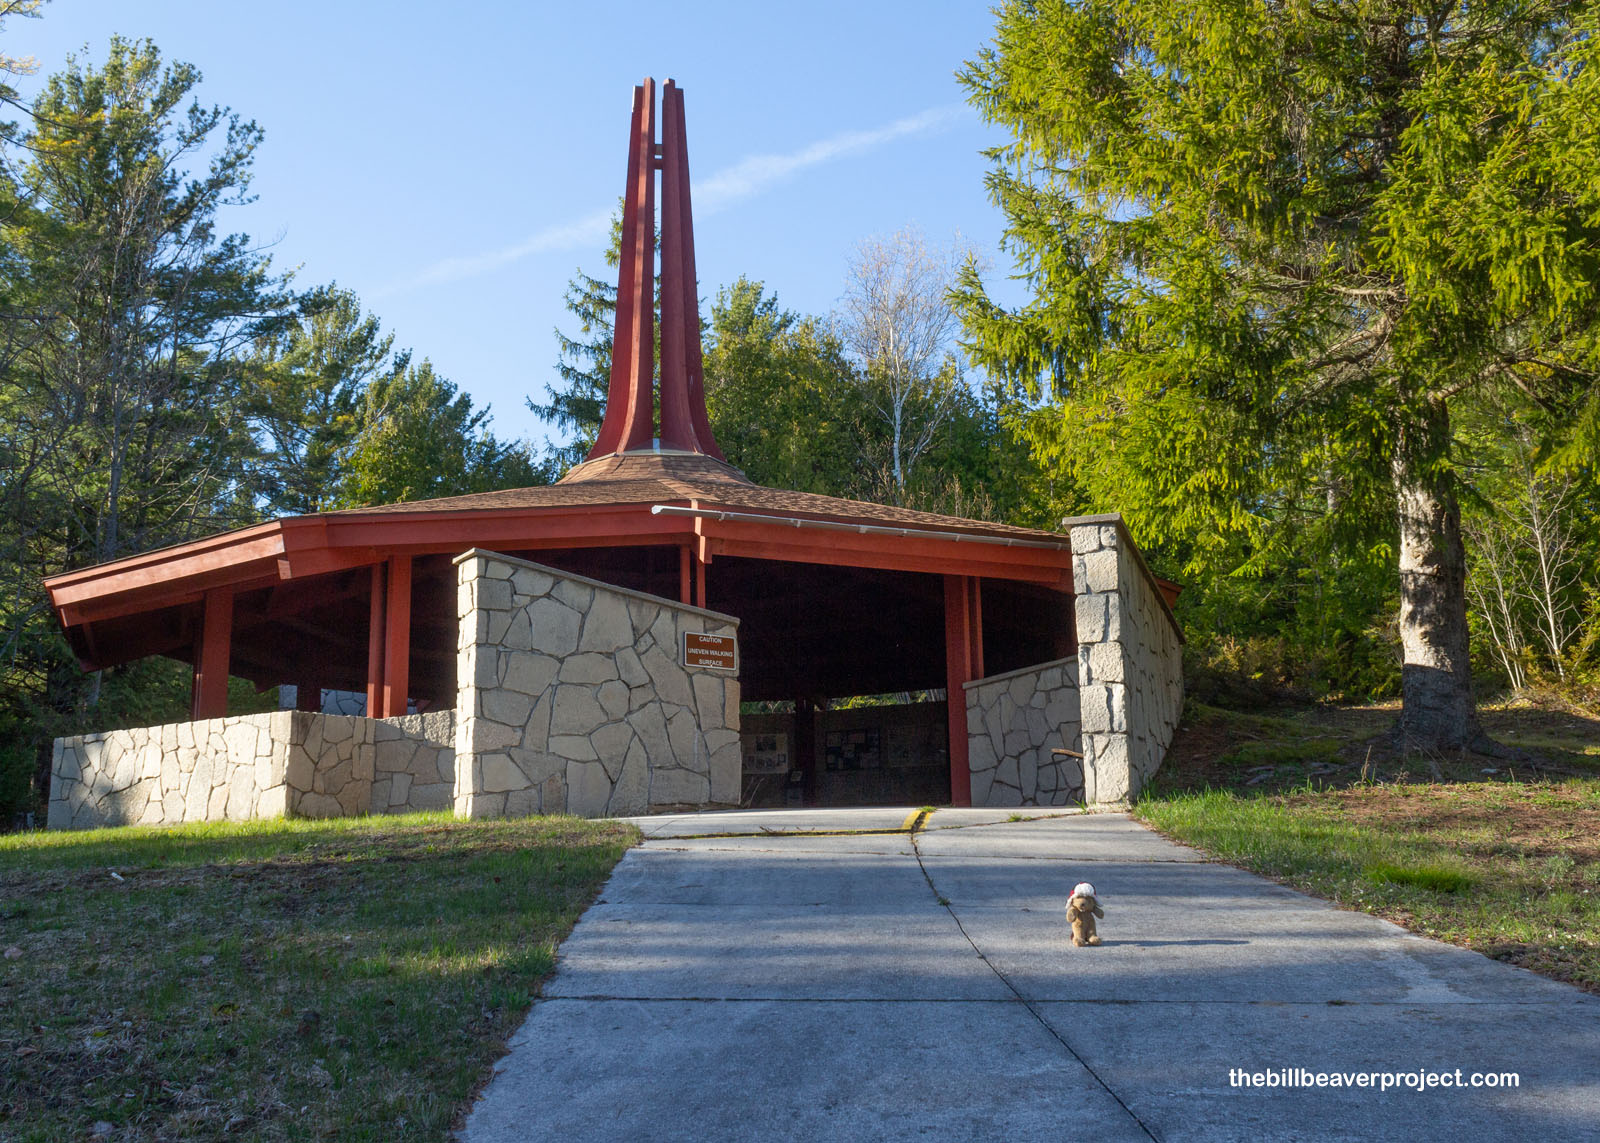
x=813, y=638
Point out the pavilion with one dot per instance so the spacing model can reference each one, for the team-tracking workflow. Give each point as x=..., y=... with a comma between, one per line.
x=834, y=597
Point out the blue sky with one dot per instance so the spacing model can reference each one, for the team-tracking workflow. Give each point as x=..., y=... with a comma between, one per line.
x=454, y=164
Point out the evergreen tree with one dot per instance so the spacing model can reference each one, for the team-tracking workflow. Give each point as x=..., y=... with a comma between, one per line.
x=774, y=397
x=584, y=366
x=1275, y=249
x=578, y=404
x=418, y=438
x=131, y=381
x=120, y=396
x=305, y=388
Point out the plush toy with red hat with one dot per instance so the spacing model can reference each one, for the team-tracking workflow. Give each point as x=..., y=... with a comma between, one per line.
x=1082, y=909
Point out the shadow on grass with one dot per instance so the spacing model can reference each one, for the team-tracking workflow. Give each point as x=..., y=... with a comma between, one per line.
x=350, y=979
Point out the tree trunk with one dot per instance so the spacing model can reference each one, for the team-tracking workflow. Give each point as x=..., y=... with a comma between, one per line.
x=1437, y=711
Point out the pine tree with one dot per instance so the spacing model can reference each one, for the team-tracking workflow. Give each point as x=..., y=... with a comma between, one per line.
x=1278, y=245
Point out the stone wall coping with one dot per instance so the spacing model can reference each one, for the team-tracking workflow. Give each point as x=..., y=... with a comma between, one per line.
x=645, y=597
x=1116, y=521
x=1070, y=661
x=155, y=727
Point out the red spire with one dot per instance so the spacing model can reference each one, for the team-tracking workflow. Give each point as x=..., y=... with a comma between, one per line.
x=630, y=406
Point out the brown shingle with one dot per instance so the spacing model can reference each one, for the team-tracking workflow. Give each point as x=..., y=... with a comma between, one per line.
x=655, y=478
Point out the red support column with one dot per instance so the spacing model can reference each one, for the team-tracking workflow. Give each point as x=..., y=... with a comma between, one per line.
x=397, y=639
x=962, y=631
x=685, y=580
x=375, y=644
x=212, y=651
x=700, y=578
x=975, y=608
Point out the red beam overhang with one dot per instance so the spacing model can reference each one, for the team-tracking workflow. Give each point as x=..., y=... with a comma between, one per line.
x=298, y=547
x=826, y=540
x=165, y=577
x=913, y=554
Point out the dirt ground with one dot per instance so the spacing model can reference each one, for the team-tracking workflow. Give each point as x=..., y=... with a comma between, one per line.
x=1336, y=746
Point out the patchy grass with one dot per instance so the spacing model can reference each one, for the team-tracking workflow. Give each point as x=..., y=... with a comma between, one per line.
x=277, y=980
x=1434, y=877
x=1272, y=755
x=1498, y=855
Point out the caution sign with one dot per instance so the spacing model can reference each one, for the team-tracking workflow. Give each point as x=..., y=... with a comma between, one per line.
x=716, y=652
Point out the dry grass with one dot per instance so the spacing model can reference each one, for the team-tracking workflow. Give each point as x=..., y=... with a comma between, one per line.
x=1498, y=855
x=286, y=980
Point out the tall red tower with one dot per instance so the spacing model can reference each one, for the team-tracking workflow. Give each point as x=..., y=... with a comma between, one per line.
x=632, y=411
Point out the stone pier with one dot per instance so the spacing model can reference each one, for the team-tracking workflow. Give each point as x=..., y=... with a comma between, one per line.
x=573, y=697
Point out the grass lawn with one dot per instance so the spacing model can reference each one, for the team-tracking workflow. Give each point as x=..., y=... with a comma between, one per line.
x=1495, y=855
x=277, y=980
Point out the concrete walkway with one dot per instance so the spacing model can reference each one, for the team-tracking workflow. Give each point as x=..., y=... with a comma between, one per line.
x=789, y=982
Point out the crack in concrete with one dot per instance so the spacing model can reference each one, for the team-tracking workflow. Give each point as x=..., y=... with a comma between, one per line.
x=1025, y=1002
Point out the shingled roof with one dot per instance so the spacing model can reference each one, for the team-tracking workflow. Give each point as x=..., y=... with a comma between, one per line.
x=665, y=477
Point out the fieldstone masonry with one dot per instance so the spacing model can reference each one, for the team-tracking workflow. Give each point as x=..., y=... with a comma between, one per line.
x=286, y=763
x=572, y=697
x=249, y=766
x=1116, y=702
x=1014, y=723
x=414, y=763
x=1130, y=661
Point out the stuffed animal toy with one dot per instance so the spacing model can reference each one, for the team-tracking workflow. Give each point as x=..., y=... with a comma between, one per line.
x=1082, y=909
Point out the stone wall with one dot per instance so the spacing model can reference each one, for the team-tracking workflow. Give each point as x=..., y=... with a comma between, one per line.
x=285, y=763
x=1014, y=722
x=247, y=766
x=1130, y=661
x=414, y=763
x=572, y=697
x=1117, y=701
x=329, y=764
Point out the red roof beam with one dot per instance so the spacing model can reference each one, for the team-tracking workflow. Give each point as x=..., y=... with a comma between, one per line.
x=858, y=527
x=896, y=558
x=261, y=543
x=435, y=531
x=161, y=595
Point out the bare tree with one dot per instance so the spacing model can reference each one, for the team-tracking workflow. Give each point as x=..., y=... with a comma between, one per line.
x=1553, y=577
x=897, y=324
x=1526, y=580
x=1492, y=579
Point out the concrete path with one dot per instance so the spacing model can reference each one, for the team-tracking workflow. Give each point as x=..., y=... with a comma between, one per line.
x=794, y=983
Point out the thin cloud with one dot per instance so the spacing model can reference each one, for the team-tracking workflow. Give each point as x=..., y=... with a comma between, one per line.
x=745, y=179
x=585, y=232
x=758, y=172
